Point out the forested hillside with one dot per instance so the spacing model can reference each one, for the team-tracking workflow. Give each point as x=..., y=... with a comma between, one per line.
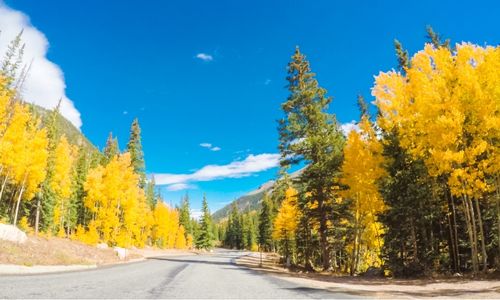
x=55, y=182
x=248, y=202
x=251, y=201
x=73, y=135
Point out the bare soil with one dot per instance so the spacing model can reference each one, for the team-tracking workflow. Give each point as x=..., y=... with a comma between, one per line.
x=451, y=288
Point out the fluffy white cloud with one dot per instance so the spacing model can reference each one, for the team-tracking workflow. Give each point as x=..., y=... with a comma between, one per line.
x=215, y=149
x=45, y=84
x=348, y=127
x=236, y=169
x=205, y=57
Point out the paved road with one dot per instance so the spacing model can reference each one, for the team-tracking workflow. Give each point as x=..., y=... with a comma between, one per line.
x=197, y=276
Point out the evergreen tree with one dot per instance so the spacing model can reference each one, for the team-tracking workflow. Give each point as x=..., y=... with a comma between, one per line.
x=204, y=239
x=436, y=39
x=402, y=56
x=265, y=226
x=134, y=147
x=405, y=189
x=310, y=135
x=12, y=59
x=46, y=198
x=111, y=149
x=234, y=234
x=83, y=164
x=185, y=216
x=151, y=193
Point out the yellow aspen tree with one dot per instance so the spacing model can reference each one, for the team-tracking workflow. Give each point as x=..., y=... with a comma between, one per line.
x=446, y=110
x=166, y=228
x=30, y=171
x=113, y=198
x=361, y=170
x=12, y=144
x=286, y=221
x=180, y=238
x=61, y=184
x=5, y=101
x=161, y=223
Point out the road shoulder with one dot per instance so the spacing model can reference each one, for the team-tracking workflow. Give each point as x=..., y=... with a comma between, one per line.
x=380, y=288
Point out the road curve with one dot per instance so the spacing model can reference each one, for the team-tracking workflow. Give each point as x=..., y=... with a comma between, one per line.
x=193, y=277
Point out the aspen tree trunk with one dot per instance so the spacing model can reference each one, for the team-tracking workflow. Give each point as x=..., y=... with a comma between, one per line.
x=481, y=232
x=19, y=202
x=455, y=230
x=452, y=243
x=356, y=234
x=474, y=229
x=471, y=235
x=37, y=217
x=4, y=183
x=452, y=231
x=414, y=240
x=497, y=188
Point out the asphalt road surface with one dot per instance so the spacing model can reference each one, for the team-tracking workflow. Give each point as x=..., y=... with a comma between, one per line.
x=195, y=276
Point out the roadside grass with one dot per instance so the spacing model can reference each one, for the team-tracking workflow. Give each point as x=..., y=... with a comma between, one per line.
x=54, y=251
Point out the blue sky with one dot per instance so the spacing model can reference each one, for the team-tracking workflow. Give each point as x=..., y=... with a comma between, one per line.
x=213, y=72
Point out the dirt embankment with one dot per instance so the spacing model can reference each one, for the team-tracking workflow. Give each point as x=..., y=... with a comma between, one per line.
x=54, y=251
x=40, y=251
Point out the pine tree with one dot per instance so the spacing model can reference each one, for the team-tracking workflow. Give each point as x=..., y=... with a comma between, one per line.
x=13, y=59
x=205, y=235
x=151, y=193
x=111, y=149
x=46, y=199
x=265, y=226
x=185, y=216
x=234, y=234
x=311, y=135
x=436, y=39
x=134, y=147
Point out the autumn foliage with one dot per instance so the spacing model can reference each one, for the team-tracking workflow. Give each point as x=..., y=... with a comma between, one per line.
x=54, y=186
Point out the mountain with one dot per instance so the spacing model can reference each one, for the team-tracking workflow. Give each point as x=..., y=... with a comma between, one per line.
x=72, y=133
x=250, y=201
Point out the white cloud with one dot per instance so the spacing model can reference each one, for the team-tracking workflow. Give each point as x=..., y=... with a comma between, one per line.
x=348, y=127
x=45, y=83
x=240, y=168
x=180, y=187
x=210, y=147
x=196, y=214
x=205, y=57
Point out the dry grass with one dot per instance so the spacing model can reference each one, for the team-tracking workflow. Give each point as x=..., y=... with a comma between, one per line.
x=54, y=251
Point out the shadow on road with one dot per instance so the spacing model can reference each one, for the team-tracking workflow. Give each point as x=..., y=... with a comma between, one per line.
x=193, y=261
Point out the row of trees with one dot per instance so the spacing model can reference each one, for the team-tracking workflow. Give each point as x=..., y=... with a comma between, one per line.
x=240, y=230
x=414, y=190
x=55, y=186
